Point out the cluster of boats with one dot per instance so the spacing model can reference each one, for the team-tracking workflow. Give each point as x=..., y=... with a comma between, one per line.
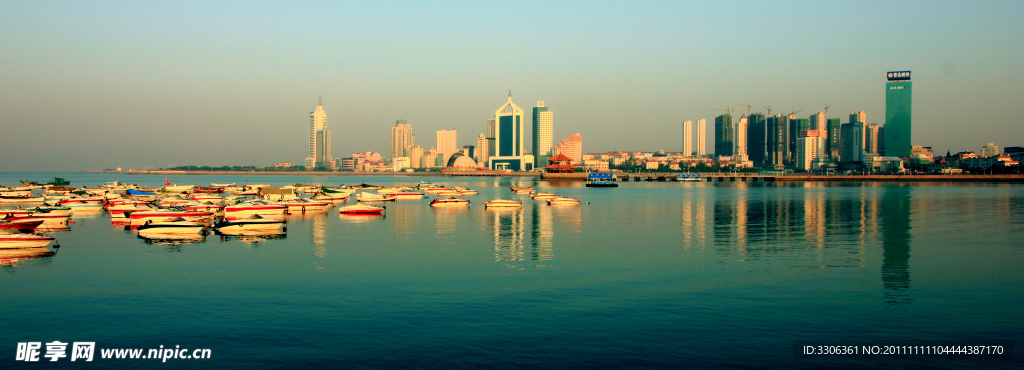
x=29, y=213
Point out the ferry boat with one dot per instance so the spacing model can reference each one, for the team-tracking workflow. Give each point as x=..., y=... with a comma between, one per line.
x=449, y=202
x=563, y=201
x=543, y=196
x=688, y=177
x=502, y=203
x=601, y=180
x=361, y=209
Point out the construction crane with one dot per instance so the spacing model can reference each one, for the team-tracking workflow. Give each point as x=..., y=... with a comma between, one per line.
x=769, y=110
x=826, y=112
x=727, y=110
x=748, y=108
x=793, y=114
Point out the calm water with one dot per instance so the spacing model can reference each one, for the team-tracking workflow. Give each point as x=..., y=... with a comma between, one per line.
x=645, y=275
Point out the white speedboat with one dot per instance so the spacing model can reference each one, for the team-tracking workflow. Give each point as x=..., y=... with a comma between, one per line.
x=252, y=223
x=173, y=226
x=257, y=207
x=304, y=205
x=449, y=202
x=371, y=197
x=331, y=198
x=139, y=218
x=544, y=196
x=502, y=203
x=361, y=209
x=177, y=188
x=23, y=241
x=563, y=201
x=406, y=195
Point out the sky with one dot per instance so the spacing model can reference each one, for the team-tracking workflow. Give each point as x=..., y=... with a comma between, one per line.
x=87, y=85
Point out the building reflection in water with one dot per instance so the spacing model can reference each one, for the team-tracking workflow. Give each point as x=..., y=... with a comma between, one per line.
x=319, y=231
x=693, y=226
x=447, y=217
x=895, y=225
x=542, y=233
x=508, y=234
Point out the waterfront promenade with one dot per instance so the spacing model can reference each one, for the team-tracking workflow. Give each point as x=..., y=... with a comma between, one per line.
x=748, y=176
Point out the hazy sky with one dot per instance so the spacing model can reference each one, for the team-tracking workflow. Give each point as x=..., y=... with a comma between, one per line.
x=93, y=85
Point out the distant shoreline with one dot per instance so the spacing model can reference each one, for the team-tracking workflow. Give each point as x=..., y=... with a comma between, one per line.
x=303, y=173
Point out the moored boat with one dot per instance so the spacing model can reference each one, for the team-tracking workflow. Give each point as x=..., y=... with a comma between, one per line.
x=254, y=223
x=257, y=207
x=361, y=209
x=563, y=201
x=449, y=202
x=172, y=226
x=406, y=195
x=139, y=218
x=23, y=226
x=371, y=197
x=502, y=203
x=24, y=241
x=543, y=196
x=304, y=205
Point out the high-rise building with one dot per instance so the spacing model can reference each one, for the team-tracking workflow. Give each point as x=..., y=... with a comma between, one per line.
x=834, y=142
x=853, y=142
x=446, y=143
x=319, y=139
x=687, y=138
x=508, y=138
x=807, y=149
x=572, y=148
x=416, y=156
x=723, y=135
x=898, y=114
x=871, y=138
x=818, y=124
x=482, y=150
x=756, y=138
x=858, y=117
x=543, y=124
x=429, y=159
x=777, y=145
x=701, y=137
x=989, y=150
x=741, y=138
x=401, y=139
x=796, y=126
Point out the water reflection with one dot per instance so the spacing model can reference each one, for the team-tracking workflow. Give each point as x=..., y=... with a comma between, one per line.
x=254, y=237
x=447, y=218
x=173, y=240
x=360, y=218
x=541, y=234
x=508, y=233
x=693, y=219
x=895, y=211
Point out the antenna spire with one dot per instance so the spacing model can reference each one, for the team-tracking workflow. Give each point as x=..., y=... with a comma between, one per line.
x=321, y=99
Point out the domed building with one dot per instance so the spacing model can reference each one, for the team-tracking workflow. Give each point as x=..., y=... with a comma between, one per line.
x=461, y=162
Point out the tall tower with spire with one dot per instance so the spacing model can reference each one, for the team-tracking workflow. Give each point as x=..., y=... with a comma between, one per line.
x=508, y=138
x=319, y=139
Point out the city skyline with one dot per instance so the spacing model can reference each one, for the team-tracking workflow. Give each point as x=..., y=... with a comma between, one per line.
x=91, y=70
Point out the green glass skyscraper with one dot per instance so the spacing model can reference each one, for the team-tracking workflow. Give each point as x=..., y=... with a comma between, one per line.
x=756, y=138
x=898, y=92
x=723, y=135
